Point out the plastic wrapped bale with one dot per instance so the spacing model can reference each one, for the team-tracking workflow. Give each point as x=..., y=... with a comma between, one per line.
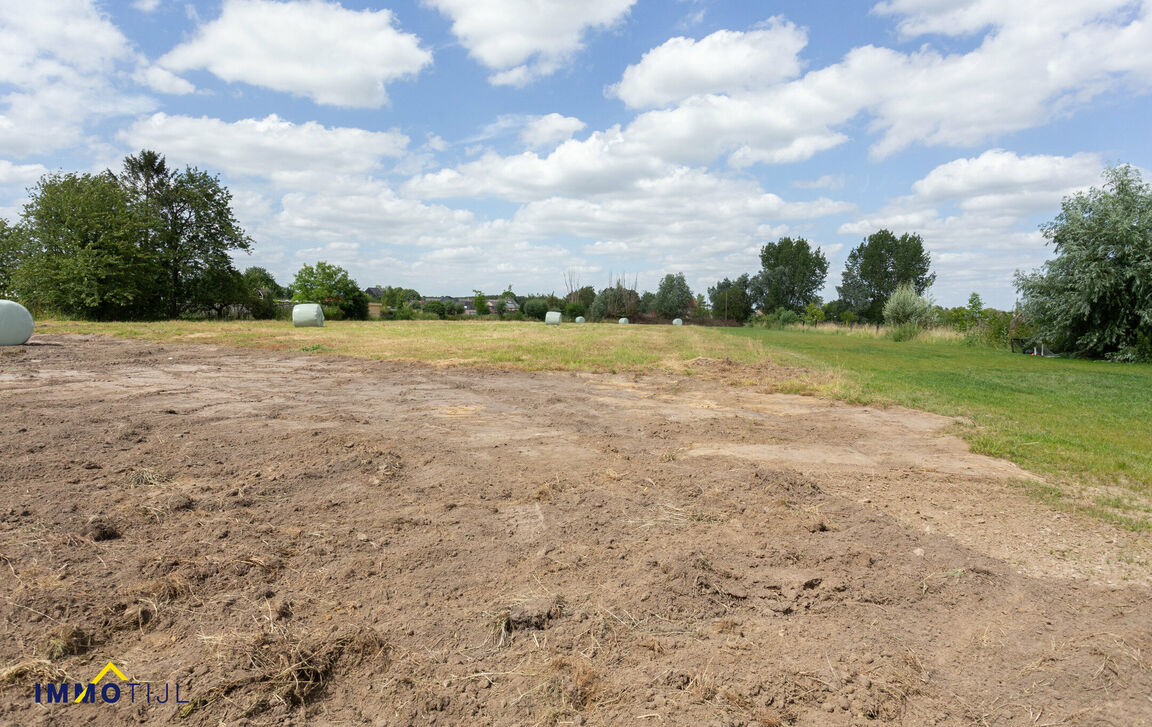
x=579, y=319
x=552, y=318
x=677, y=321
x=307, y=314
x=623, y=321
x=15, y=324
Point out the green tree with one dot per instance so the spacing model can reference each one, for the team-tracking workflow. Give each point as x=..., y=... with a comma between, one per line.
x=615, y=301
x=480, y=303
x=536, y=308
x=814, y=314
x=11, y=251
x=583, y=296
x=80, y=256
x=189, y=229
x=330, y=285
x=878, y=266
x=219, y=288
x=791, y=274
x=647, y=302
x=437, y=308
x=731, y=300
x=258, y=278
x=1094, y=298
x=673, y=297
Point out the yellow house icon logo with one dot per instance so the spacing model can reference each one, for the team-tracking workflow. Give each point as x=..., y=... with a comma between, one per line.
x=109, y=667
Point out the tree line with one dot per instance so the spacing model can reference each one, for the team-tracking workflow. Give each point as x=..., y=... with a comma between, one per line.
x=151, y=242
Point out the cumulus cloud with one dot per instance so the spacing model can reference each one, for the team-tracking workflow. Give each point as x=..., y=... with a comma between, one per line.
x=58, y=57
x=550, y=130
x=976, y=215
x=724, y=62
x=523, y=40
x=1031, y=66
x=270, y=147
x=310, y=48
x=20, y=174
x=162, y=80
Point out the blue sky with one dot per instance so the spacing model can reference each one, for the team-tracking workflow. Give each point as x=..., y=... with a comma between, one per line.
x=448, y=145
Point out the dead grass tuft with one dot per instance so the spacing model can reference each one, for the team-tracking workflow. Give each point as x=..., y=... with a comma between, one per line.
x=67, y=640
x=145, y=477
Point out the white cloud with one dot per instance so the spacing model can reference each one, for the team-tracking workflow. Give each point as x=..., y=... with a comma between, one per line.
x=287, y=153
x=146, y=6
x=1000, y=181
x=724, y=62
x=1029, y=68
x=310, y=48
x=20, y=174
x=162, y=80
x=522, y=40
x=965, y=17
x=550, y=130
x=974, y=215
x=58, y=57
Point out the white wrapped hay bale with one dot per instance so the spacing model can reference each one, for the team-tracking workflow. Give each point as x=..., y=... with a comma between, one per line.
x=307, y=314
x=579, y=319
x=552, y=318
x=623, y=321
x=677, y=321
x=15, y=324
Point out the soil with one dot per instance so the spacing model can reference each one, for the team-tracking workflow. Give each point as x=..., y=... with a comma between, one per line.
x=299, y=539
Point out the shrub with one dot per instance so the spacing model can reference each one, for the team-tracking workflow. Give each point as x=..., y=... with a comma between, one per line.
x=536, y=308
x=905, y=306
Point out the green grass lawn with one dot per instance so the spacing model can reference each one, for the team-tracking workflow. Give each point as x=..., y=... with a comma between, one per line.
x=1086, y=426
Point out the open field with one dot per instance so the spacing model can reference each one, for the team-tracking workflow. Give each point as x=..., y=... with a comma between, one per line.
x=1083, y=425
x=324, y=540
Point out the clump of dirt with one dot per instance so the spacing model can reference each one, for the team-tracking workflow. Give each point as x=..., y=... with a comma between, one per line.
x=98, y=529
x=299, y=539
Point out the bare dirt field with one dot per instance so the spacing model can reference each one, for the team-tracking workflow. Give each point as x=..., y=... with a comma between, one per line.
x=306, y=540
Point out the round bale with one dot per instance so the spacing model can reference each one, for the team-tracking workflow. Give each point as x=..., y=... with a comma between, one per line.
x=552, y=318
x=307, y=314
x=677, y=321
x=623, y=321
x=579, y=319
x=15, y=324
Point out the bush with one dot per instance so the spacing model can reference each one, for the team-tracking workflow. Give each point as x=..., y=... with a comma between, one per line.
x=536, y=308
x=572, y=310
x=905, y=331
x=905, y=306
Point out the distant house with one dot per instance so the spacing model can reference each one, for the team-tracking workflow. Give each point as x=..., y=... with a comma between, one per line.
x=510, y=305
x=375, y=292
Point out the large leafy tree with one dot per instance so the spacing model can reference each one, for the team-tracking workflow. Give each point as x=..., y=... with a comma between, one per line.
x=673, y=297
x=189, y=228
x=330, y=285
x=79, y=253
x=791, y=274
x=1095, y=297
x=878, y=266
x=11, y=250
x=731, y=300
